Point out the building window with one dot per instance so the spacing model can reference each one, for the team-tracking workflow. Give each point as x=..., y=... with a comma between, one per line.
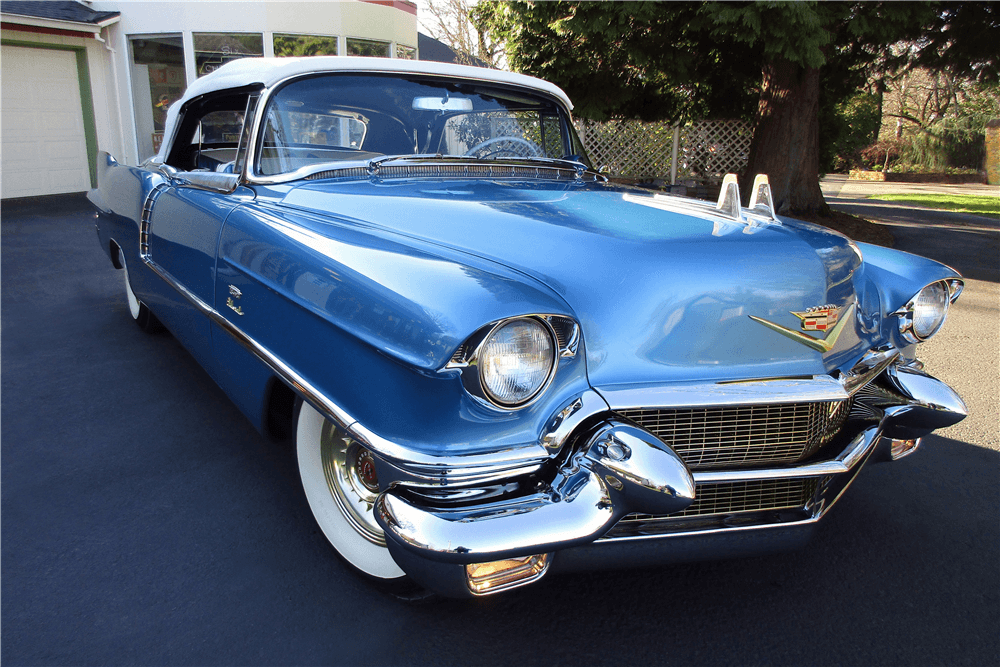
x=406, y=52
x=212, y=50
x=158, y=80
x=304, y=45
x=368, y=47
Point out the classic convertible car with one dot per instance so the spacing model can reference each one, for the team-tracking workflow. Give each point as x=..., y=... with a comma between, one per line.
x=494, y=363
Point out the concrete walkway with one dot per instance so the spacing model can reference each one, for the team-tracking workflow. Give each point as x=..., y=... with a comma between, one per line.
x=837, y=185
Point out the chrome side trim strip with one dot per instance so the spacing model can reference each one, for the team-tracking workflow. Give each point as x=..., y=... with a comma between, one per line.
x=523, y=458
x=855, y=452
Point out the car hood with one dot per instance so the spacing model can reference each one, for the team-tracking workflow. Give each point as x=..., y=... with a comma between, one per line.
x=661, y=295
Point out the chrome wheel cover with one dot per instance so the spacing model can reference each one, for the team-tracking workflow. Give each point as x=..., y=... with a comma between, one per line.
x=343, y=461
x=334, y=484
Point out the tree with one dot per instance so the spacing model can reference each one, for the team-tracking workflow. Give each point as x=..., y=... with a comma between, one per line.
x=778, y=63
x=451, y=22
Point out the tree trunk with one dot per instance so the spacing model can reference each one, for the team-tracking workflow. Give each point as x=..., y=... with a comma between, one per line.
x=786, y=138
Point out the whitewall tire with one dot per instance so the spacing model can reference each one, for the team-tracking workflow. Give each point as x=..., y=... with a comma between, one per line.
x=141, y=314
x=339, y=483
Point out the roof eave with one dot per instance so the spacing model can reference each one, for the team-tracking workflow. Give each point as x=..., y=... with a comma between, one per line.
x=56, y=24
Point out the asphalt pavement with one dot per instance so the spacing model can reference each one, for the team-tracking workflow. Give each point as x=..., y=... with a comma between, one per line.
x=969, y=243
x=144, y=522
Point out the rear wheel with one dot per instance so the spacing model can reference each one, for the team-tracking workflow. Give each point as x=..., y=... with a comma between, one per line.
x=141, y=314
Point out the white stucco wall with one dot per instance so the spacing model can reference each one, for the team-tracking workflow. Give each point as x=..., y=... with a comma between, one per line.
x=343, y=19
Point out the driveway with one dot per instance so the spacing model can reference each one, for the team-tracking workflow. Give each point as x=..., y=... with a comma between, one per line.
x=969, y=243
x=144, y=521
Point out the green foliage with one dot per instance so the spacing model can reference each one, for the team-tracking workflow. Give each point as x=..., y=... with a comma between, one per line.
x=304, y=45
x=626, y=60
x=963, y=37
x=845, y=129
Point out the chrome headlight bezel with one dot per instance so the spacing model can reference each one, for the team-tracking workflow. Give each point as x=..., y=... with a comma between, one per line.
x=909, y=315
x=563, y=333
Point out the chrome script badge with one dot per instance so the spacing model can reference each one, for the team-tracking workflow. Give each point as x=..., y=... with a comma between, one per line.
x=820, y=318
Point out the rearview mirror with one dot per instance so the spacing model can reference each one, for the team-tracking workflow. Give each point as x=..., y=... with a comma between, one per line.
x=442, y=104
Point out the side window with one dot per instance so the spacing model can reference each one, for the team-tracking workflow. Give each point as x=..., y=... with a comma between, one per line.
x=218, y=137
x=211, y=133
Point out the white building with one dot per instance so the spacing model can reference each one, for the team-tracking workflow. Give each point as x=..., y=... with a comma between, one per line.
x=79, y=77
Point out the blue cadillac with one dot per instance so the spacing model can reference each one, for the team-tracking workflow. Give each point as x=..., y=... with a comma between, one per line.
x=494, y=363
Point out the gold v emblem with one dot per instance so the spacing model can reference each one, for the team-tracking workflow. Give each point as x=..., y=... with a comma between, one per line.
x=818, y=344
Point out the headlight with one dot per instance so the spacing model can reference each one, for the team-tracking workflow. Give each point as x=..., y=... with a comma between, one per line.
x=925, y=313
x=516, y=361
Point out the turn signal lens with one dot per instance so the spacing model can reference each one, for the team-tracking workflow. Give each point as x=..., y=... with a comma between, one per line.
x=901, y=448
x=499, y=575
x=516, y=361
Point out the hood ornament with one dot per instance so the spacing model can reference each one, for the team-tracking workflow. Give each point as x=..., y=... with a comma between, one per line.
x=819, y=318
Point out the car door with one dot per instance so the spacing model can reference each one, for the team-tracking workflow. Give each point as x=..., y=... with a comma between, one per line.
x=183, y=217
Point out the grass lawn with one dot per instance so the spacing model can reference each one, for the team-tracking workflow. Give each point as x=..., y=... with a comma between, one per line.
x=976, y=204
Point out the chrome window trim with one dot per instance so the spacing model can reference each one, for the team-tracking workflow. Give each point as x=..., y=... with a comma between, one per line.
x=250, y=175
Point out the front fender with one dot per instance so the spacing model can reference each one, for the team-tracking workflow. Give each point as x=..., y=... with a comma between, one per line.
x=898, y=275
x=368, y=321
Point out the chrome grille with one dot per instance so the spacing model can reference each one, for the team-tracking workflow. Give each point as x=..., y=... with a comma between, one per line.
x=746, y=435
x=734, y=497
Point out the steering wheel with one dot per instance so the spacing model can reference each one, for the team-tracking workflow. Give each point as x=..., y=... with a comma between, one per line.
x=530, y=145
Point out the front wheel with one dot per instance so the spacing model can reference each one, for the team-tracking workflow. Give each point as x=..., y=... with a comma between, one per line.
x=339, y=480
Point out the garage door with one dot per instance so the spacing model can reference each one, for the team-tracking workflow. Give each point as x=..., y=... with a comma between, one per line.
x=44, y=145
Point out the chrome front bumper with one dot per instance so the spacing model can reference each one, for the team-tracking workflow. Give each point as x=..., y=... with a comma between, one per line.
x=618, y=469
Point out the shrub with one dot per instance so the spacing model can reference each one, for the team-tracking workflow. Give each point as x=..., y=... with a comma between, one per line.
x=882, y=153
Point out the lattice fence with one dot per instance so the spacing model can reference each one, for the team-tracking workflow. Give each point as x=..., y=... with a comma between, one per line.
x=708, y=149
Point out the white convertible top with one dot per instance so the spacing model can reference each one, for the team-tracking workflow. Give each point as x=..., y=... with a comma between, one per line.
x=269, y=71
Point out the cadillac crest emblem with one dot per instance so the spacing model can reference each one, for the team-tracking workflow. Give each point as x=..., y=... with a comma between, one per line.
x=818, y=318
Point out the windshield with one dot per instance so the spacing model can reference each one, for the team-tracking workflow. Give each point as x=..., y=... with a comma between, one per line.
x=350, y=117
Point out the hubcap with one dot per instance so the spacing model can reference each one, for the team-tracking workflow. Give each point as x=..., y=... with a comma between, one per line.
x=350, y=474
